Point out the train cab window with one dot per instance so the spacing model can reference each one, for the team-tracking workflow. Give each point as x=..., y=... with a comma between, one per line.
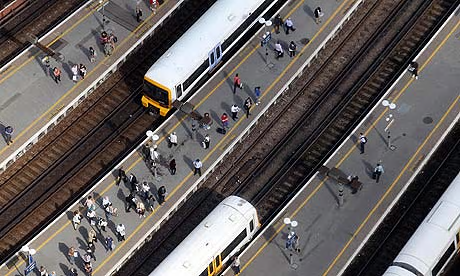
x=204, y=273
x=179, y=91
x=458, y=237
x=218, y=262
x=251, y=225
x=445, y=257
x=211, y=268
x=156, y=93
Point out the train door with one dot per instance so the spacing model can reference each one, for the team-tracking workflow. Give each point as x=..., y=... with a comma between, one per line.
x=215, y=266
x=214, y=56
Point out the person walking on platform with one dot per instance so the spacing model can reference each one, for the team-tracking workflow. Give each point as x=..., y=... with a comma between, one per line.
x=76, y=220
x=224, y=120
x=75, y=73
x=109, y=243
x=154, y=155
x=121, y=232
x=130, y=202
x=162, y=195
x=92, y=237
x=289, y=25
x=57, y=75
x=102, y=223
x=206, y=141
x=121, y=176
x=172, y=166
x=43, y=271
x=197, y=165
x=138, y=14
x=257, y=94
x=8, y=134
x=318, y=14
x=71, y=254
x=89, y=269
x=173, y=139
x=377, y=172
x=151, y=202
x=292, y=49
x=86, y=258
x=83, y=71
x=236, y=265
x=235, y=109
x=133, y=182
x=278, y=22
x=237, y=83
x=73, y=271
x=92, y=54
x=145, y=188
x=413, y=68
x=247, y=106
x=362, y=142
x=279, y=50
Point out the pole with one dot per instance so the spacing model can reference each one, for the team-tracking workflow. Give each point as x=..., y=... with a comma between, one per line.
x=340, y=197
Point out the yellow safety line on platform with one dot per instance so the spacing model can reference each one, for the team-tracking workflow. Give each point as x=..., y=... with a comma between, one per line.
x=101, y=63
x=213, y=150
x=278, y=230
x=410, y=161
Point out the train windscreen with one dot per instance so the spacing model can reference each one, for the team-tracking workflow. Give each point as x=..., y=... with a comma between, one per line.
x=156, y=93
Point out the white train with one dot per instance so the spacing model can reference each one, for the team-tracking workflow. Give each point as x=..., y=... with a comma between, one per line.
x=198, y=51
x=213, y=242
x=436, y=240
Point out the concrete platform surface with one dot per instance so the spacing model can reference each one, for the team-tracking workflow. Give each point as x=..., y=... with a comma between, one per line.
x=30, y=99
x=329, y=234
x=216, y=97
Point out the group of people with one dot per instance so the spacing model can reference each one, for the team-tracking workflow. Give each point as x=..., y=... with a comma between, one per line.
x=78, y=72
x=108, y=42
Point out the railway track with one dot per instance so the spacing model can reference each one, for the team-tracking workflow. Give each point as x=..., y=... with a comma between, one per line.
x=34, y=20
x=84, y=147
x=308, y=124
x=414, y=205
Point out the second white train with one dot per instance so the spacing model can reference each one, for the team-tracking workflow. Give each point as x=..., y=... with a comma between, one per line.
x=435, y=242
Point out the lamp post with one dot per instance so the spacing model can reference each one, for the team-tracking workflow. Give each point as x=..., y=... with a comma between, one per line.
x=390, y=119
x=31, y=263
x=292, y=235
x=102, y=2
x=266, y=37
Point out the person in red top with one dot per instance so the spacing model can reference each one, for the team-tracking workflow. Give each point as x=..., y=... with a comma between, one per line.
x=224, y=119
x=57, y=74
x=236, y=83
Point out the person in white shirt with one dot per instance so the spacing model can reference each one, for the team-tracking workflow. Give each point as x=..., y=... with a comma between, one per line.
x=197, y=165
x=279, y=50
x=173, y=139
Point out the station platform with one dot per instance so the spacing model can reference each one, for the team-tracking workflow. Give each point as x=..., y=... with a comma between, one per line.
x=31, y=102
x=329, y=234
x=216, y=97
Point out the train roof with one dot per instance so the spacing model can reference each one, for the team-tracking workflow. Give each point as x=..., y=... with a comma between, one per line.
x=436, y=233
x=190, y=50
x=398, y=271
x=216, y=231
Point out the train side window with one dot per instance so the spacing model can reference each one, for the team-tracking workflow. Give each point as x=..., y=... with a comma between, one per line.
x=234, y=244
x=218, y=52
x=211, y=59
x=458, y=237
x=251, y=225
x=178, y=91
x=204, y=273
x=445, y=257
